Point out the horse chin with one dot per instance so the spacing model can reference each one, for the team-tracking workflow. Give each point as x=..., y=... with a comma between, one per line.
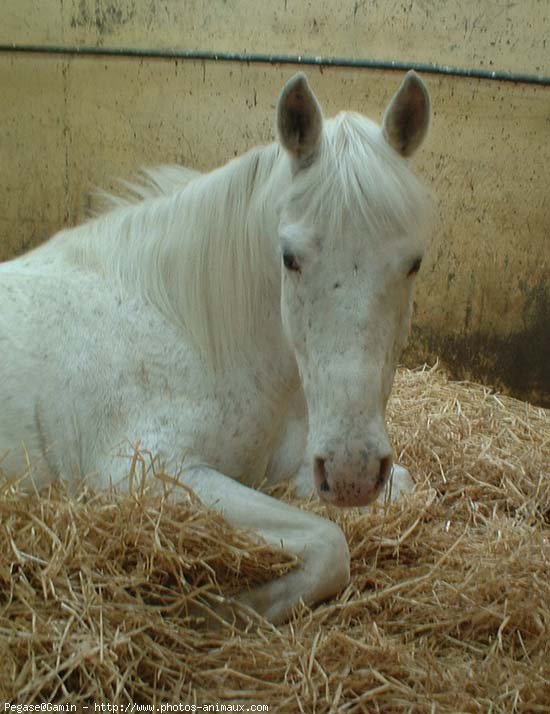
x=349, y=498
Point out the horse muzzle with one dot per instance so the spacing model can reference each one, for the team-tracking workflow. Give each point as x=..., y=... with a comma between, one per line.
x=352, y=482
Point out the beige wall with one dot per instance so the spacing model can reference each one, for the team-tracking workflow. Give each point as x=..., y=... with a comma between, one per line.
x=69, y=124
x=472, y=33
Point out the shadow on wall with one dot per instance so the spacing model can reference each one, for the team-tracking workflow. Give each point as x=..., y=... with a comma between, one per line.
x=517, y=364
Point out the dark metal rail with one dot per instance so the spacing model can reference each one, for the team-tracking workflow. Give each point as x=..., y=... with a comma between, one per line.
x=427, y=68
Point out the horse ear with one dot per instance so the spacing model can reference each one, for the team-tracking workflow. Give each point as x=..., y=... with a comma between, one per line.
x=407, y=117
x=299, y=120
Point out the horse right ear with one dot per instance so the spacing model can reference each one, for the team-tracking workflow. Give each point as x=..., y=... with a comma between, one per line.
x=299, y=120
x=407, y=118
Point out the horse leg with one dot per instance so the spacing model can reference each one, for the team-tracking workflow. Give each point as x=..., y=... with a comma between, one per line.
x=320, y=545
x=399, y=484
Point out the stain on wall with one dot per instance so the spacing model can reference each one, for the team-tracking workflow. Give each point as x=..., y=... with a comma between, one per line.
x=100, y=19
x=72, y=124
x=516, y=362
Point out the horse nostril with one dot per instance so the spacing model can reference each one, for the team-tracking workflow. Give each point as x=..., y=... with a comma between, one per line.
x=386, y=465
x=320, y=474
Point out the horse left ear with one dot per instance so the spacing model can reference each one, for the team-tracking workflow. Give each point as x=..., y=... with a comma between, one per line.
x=407, y=117
x=299, y=120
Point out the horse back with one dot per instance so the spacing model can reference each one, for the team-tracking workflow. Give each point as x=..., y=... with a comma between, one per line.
x=65, y=359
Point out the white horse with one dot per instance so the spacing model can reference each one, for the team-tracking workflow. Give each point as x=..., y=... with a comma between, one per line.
x=243, y=325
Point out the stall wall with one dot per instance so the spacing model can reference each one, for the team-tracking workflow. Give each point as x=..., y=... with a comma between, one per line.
x=69, y=124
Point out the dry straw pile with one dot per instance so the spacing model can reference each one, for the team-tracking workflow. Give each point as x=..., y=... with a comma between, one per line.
x=448, y=609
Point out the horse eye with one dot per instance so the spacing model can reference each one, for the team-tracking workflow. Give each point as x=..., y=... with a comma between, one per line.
x=415, y=267
x=290, y=262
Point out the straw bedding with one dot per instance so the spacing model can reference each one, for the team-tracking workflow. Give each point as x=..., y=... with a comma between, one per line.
x=448, y=609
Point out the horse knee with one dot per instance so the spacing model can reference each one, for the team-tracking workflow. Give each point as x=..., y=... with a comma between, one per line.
x=324, y=571
x=340, y=557
x=332, y=560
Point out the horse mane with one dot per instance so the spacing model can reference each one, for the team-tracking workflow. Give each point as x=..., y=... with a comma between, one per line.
x=152, y=182
x=194, y=246
x=201, y=247
x=358, y=177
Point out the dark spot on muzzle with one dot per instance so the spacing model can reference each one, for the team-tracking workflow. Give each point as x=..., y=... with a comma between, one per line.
x=320, y=474
x=385, y=470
